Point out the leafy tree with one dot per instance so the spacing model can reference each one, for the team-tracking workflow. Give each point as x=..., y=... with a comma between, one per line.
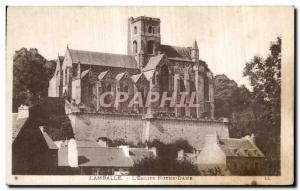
x=31, y=74
x=265, y=79
x=166, y=162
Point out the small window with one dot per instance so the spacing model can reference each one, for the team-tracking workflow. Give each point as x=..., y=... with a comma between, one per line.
x=134, y=46
x=150, y=29
x=135, y=30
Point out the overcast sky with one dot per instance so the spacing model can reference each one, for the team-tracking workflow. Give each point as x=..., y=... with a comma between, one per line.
x=227, y=37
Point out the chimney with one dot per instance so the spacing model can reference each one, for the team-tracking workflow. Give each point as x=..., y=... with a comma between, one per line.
x=180, y=155
x=72, y=153
x=125, y=149
x=23, y=112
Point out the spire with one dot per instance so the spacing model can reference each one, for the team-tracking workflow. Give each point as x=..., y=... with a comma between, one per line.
x=195, y=46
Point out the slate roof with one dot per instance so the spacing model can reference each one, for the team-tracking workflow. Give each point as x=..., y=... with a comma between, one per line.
x=17, y=124
x=176, y=52
x=153, y=62
x=103, y=157
x=103, y=59
x=138, y=154
x=239, y=147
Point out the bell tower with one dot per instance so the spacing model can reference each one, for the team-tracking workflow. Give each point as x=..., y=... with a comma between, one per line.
x=143, y=38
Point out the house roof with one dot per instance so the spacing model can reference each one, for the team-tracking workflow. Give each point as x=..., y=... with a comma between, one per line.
x=239, y=147
x=153, y=62
x=49, y=141
x=138, y=154
x=17, y=124
x=103, y=59
x=176, y=52
x=103, y=157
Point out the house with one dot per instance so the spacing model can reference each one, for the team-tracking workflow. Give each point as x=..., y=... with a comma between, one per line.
x=33, y=151
x=91, y=158
x=236, y=156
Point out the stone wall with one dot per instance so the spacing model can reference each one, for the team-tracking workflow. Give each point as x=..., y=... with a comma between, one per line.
x=133, y=128
x=192, y=130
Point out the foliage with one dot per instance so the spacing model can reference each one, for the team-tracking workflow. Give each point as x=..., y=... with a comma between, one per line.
x=256, y=111
x=166, y=162
x=265, y=79
x=31, y=74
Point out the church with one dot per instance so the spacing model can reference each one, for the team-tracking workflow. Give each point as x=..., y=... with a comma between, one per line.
x=81, y=77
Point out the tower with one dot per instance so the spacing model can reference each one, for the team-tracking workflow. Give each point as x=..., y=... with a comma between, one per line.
x=143, y=38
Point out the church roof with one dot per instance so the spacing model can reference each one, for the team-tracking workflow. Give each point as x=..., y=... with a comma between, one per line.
x=153, y=62
x=103, y=59
x=61, y=59
x=84, y=73
x=102, y=75
x=136, y=77
x=176, y=52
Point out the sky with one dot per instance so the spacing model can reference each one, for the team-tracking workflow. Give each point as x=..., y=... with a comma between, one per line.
x=227, y=37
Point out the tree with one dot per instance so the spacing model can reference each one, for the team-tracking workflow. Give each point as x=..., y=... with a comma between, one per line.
x=166, y=162
x=31, y=74
x=265, y=79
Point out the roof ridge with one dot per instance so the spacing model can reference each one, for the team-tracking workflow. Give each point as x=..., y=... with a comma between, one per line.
x=87, y=51
x=175, y=46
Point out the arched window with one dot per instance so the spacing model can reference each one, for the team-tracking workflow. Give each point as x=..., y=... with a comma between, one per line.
x=134, y=46
x=150, y=47
x=135, y=30
x=164, y=79
x=150, y=29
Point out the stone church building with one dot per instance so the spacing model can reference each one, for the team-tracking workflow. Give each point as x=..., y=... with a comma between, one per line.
x=149, y=66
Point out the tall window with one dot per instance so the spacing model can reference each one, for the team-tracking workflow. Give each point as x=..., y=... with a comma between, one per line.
x=150, y=29
x=135, y=30
x=66, y=75
x=150, y=47
x=134, y=46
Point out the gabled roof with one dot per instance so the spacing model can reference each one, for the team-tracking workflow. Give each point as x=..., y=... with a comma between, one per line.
x=137, y=77
x=153, y=62
x=103, y=157
x=103, y=59
x=149, y=74
x=49, y=141
x=176, y=52
x=17, y=124
x=239, y=147
x=84, y=73
x=102, y=75
x=61, y=59
x=121, y=75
